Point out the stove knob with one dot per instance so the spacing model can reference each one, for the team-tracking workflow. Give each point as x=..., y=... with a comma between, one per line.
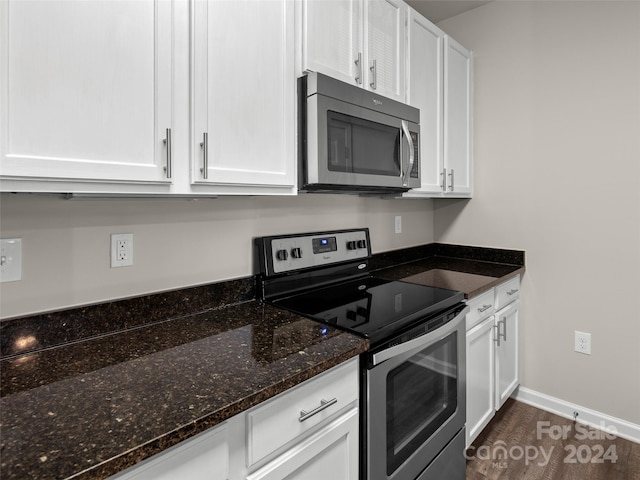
x=362, y=244
x=361, y=311
x=351, y=245
x=296, y=252
x=282, y=255
x=351, y=315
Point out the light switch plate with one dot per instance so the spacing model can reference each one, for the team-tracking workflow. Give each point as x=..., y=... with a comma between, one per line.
x=10, y=259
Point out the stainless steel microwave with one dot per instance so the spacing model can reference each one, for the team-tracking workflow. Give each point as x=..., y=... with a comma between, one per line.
x=353, y=140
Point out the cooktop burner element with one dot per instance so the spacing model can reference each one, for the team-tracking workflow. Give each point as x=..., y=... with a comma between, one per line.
x=324, y=276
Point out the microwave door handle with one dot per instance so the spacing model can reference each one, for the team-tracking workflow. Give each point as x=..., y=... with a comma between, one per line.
x=407, y=134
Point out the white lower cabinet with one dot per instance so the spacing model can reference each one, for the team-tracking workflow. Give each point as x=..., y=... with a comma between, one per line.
x=203, y=457
x=492, y=354
x=330, y=453
x=308, y=432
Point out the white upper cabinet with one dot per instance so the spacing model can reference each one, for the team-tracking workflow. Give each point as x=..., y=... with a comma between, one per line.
x=439, y=84
x=425, y=92
x=362, y=43
x=385, y=33
x=332, y=41
x=457, y=119
x=86, y=91
x=243, y=96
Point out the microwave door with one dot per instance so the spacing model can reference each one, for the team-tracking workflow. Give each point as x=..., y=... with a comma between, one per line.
x=348, y=145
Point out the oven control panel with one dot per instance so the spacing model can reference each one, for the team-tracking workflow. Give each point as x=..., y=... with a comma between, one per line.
x=287, y=253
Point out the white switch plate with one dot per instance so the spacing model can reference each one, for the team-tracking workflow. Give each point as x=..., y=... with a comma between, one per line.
x=121, y=250
x=10, y=259
x=398, y=221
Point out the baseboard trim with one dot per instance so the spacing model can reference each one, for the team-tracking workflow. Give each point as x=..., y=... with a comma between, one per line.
x=621, y=428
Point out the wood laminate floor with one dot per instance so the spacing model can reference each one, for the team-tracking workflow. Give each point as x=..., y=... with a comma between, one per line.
x=525, y=443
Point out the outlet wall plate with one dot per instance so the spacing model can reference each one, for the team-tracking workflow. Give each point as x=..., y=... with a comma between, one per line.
x=582, y=342
x=10, y=259
x=121, y=250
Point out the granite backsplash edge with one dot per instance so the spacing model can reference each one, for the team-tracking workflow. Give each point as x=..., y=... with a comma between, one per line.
x=29, y=334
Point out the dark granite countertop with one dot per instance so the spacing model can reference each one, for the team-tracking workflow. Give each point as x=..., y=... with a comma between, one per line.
x=88, y=392
x=92, y=408
x=471, y=270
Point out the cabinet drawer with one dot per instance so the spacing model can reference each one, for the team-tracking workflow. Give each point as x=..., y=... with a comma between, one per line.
x=507, y=292
x=280, y=420
x=480, y=307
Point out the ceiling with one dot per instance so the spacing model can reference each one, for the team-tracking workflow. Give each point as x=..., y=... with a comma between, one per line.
x=438, y=10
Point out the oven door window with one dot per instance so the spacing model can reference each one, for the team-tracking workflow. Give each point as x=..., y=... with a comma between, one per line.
x=357, y=145
x=422, y=394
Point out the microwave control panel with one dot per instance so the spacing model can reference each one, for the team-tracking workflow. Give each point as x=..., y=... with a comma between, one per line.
x=288, y=253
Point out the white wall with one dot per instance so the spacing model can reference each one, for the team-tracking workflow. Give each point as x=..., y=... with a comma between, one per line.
x=557, y=162
x=177, y=243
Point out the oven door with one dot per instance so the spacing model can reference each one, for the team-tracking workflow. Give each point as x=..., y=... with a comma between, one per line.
x=352, y=147
x=416, y=402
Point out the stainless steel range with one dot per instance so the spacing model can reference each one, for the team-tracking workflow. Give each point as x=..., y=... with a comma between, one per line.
x=413, y=376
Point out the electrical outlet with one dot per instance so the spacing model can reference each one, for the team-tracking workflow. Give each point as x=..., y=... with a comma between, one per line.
x=398, y=222
x=10, y=259
x=582, y=342
x=121, y=250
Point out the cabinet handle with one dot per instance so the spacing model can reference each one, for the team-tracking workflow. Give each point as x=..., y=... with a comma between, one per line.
x=444, y=180
x=452, y=178
x=374, y=73
x=323, y=405
x=512, y=292
x=167, y=142
x=496, y=338
x=358, y=63
x=484, y=308
x=504, y=329
x=205, y=155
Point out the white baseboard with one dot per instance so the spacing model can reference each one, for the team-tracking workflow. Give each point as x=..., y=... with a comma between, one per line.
x=592, y=418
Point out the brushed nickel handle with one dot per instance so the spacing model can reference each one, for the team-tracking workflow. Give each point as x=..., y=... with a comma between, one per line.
x=374, y=73
x=504, y=330
x=444, y=180
x=496, y=338
x=324, y=404
x=167, y=142
x=484, y=308
x=205, y=155
x=512, y=292
x=452, y=179
x=358, y=63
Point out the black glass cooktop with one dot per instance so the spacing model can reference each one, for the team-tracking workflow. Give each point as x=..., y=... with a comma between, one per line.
x=371, y=307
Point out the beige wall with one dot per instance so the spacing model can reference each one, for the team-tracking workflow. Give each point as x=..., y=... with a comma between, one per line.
x=557, y=162
x=177, y=243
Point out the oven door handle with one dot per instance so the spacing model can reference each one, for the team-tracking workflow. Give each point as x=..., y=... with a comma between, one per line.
x=431, y=337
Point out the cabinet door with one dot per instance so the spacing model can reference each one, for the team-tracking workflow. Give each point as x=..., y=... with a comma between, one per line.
x=332, y=41
x=457, y=119
x=507, y=363
x=480, y=378
x=332, y=453
x=244, y=93
x=86, y=90
x=424, y=92
x=204, y=457
x=385, y=41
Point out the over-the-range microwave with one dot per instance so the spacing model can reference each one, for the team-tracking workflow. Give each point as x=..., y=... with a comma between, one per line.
x=355, y=141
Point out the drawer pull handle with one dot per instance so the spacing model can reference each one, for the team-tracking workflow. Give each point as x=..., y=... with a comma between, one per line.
x=324, y=404
x=484, y=308
x=512, y=292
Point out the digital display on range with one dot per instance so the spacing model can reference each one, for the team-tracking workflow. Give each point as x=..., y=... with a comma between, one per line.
x=324, y=245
